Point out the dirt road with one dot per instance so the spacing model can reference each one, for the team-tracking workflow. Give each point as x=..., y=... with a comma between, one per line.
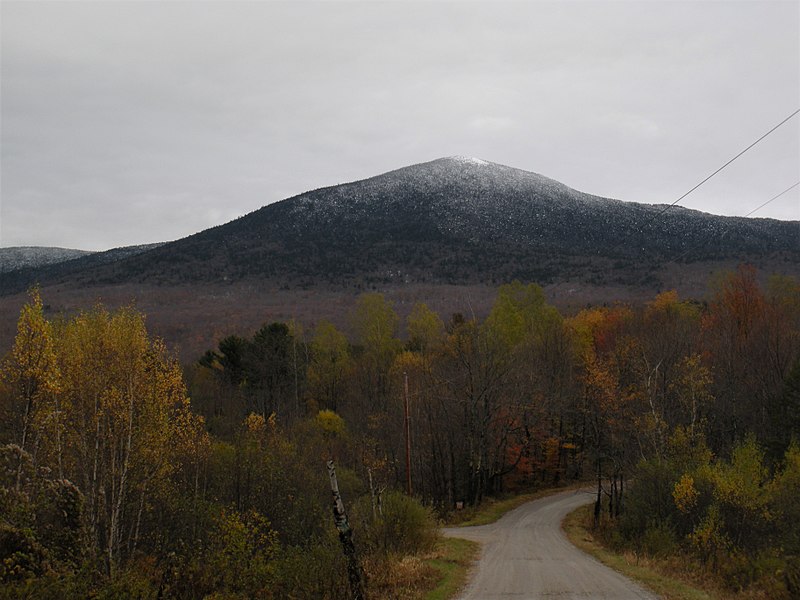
x=525, y=555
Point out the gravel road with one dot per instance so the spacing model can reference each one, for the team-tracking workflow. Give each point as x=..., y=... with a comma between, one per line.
x=525, y=555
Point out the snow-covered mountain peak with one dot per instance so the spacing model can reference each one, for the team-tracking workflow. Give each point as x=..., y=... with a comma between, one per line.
x=454, y=219
x=467, y=160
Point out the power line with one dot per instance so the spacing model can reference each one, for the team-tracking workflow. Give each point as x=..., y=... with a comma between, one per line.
x=729, y=162
x=666, y=208
x=725, y=232
x=771, y=199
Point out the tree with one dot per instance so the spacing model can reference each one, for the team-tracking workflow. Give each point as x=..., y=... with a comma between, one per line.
x=125, y=395
x=330, y=365
x=543, y=383
x=751, y=341
x=521, y=313
x=230, y=359
x=268, y=367
x=474, y=370
x=425, y=329
x=265, y=373
x=375, y=325
x=32, y=373
x=41, y=528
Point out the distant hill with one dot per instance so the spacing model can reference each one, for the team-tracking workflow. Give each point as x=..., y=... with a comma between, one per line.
x=26, y=257
x=445, y=232
x=23, y=266
x=455, y=221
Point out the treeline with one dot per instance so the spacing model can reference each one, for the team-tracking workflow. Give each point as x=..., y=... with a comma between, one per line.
x=698, y=402
x=111, y=485
x=111, y=478
x=717, y=482
x=527, y=394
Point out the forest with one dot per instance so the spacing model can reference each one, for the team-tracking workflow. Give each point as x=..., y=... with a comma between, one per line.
x=126, y=474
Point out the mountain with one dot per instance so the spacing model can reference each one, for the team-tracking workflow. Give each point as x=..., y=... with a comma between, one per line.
x=454, y=220
x=28, y=257
x=22, y=266
x=445, y=232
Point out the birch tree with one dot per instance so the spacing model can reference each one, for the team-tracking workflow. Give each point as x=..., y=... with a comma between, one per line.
x=126, y=395
x=31, y=372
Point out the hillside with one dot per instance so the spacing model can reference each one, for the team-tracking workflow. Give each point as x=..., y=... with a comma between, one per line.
x=454, y=220
x=21, y=267
x=446, y=233
x=31, y=257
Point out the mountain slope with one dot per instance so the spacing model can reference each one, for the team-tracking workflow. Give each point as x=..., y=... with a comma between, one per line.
x=31, y=257
x=57, y=265
x=452, y=220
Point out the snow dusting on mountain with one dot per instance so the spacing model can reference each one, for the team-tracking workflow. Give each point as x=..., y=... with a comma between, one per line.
x=24, y=257
x=454, y=220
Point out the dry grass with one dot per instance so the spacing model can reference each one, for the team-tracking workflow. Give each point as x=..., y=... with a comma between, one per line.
x=399, y=578
x=438, y=575
x=452, y=559
x=636, y=567
x=675, y=577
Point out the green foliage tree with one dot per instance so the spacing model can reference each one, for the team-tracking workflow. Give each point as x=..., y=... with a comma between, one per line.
x=165, y=501
x=425, y=329
x=230, y=359
x=375, y=324
x=330, y=366
x=269, y=370
x=521, y=313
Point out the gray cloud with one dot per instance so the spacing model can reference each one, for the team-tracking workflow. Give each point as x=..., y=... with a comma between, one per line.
x=134, y=122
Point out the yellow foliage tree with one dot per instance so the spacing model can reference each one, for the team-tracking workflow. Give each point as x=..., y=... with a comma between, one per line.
x=31, y=372
x=106, y=406
x=128, y=405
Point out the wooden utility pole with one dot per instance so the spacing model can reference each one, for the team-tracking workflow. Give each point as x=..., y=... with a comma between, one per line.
x=407, y=430
x=346, y=537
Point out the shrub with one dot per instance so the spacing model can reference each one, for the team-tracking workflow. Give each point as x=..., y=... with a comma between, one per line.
x=317, y=571
x=791, y=576
x=649, y=501
x=659, y=541
x=21, y=556
x=403, y=525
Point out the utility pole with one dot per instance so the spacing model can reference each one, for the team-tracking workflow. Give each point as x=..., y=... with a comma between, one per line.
x=294, y=360
x=407, y=429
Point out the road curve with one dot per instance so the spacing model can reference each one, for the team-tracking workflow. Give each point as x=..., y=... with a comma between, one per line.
x=525, y=555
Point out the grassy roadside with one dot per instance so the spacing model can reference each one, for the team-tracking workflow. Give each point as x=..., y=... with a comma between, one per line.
x=452, y=559
x=659, y=576
x=492, y=509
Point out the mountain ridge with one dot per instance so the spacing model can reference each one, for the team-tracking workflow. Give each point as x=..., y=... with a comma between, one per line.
x=13, y=258
x=452, y=220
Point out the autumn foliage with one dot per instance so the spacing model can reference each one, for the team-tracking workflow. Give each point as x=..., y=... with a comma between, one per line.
x=113, y=482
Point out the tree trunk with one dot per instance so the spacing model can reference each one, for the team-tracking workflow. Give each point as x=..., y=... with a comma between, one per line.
x=372, y=495
x=599, y=495
x=346, y=537
x=25, y=422
x=59, y=449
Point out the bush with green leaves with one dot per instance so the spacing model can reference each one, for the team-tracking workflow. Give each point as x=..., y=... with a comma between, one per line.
x=733, y=514
x=398, y=524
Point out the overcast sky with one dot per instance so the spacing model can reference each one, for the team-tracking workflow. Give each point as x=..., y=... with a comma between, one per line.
x=136, y=122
